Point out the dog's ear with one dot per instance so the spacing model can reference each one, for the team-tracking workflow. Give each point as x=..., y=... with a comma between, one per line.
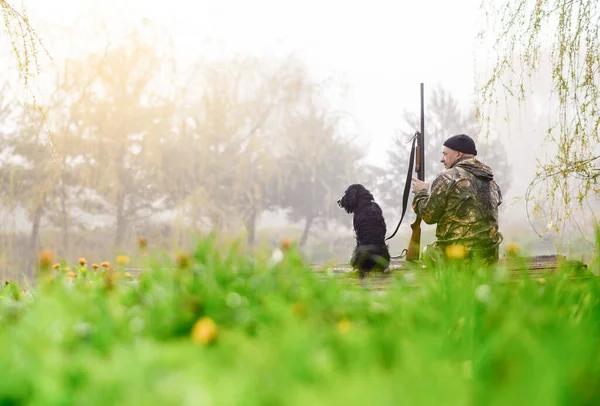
x=351, y=197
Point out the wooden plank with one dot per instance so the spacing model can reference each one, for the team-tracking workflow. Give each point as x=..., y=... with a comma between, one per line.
x=531, y=264
x=535, y=267
x=377, y=282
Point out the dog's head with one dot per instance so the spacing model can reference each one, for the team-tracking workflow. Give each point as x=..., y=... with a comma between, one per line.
x=353, y=197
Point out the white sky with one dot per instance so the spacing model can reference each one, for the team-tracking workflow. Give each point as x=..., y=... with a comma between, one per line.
x=381, y=49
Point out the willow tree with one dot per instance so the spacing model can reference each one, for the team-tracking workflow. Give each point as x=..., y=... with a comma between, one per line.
x=568, y=32
x=26, y=46
x=24, y=41
x=318, y=163
x=229, y=143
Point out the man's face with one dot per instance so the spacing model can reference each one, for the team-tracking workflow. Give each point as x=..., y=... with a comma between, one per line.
x=449, y=156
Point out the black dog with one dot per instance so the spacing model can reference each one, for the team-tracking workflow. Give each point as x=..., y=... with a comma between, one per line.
x=371, y=251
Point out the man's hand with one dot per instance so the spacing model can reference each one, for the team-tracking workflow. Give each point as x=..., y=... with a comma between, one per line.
x=419, y=185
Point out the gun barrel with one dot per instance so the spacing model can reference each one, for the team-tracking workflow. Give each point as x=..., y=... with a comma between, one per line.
x=421, y=141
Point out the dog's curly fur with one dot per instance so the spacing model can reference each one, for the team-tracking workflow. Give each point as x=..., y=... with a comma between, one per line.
x=371, y=251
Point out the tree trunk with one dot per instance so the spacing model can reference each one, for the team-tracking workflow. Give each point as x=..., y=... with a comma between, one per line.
x=34, y=236
x=65, y=220
x=306, y=231
x=251, y=226
x=216, y=220
x=121, y=222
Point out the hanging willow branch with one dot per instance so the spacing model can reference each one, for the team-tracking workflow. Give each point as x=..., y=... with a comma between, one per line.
x=569, y=32
x=25, y=46
x=24, y=40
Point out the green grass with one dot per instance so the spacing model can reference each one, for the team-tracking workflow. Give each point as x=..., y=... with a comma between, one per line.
x=289, y=336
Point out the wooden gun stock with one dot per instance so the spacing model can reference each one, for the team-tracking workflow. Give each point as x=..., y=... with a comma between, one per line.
x=414, y=245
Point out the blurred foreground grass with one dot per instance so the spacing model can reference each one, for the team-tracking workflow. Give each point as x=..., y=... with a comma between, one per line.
x=224, y=328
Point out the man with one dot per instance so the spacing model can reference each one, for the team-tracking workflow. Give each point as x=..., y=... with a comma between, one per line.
x=463, y=202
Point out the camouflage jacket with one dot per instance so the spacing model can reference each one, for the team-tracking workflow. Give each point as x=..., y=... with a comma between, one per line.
x=463, y=202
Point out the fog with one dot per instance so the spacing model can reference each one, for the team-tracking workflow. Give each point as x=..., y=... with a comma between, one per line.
x=249, y=120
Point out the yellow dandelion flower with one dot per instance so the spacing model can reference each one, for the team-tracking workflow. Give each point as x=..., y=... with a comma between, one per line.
x=82, y=261
x=105, y=264
x=122, y=259
x=72, y=274
x=95, y=266
x=56, y=266
x=344, y=326
x=456, y=251
x=204, y=331
x=512, y=249
x=45, y=258
x=142, y=243
x=183, y=260
x=109, y=279
x=286, y=244
x=542, y=281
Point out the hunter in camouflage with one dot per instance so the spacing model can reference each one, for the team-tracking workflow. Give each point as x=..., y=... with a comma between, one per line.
x=463, y=202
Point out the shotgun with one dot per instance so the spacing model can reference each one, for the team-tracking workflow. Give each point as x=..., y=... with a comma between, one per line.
x=414, y=245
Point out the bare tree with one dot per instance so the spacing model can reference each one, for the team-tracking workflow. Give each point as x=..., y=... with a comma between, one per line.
x=231, y=136
x=318, y=164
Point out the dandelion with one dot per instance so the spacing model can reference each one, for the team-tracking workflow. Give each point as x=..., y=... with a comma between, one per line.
x=95, y=266
x=45, y=258
x=344, y=326
x=109, y=278
x=183, y=260
x=82, y=261
x=105, y=264
x=512, y=249
x=456, y=251
x=72, y=274
x=204, y=331
x=542, y=281
x=56, y=266
x=142, y=243
x=286, y=244
x=122, y=259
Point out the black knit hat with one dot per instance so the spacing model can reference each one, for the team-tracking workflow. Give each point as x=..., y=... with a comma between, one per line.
x=461, y=143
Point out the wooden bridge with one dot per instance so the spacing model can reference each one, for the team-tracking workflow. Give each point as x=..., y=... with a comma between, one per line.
x=513, y=269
